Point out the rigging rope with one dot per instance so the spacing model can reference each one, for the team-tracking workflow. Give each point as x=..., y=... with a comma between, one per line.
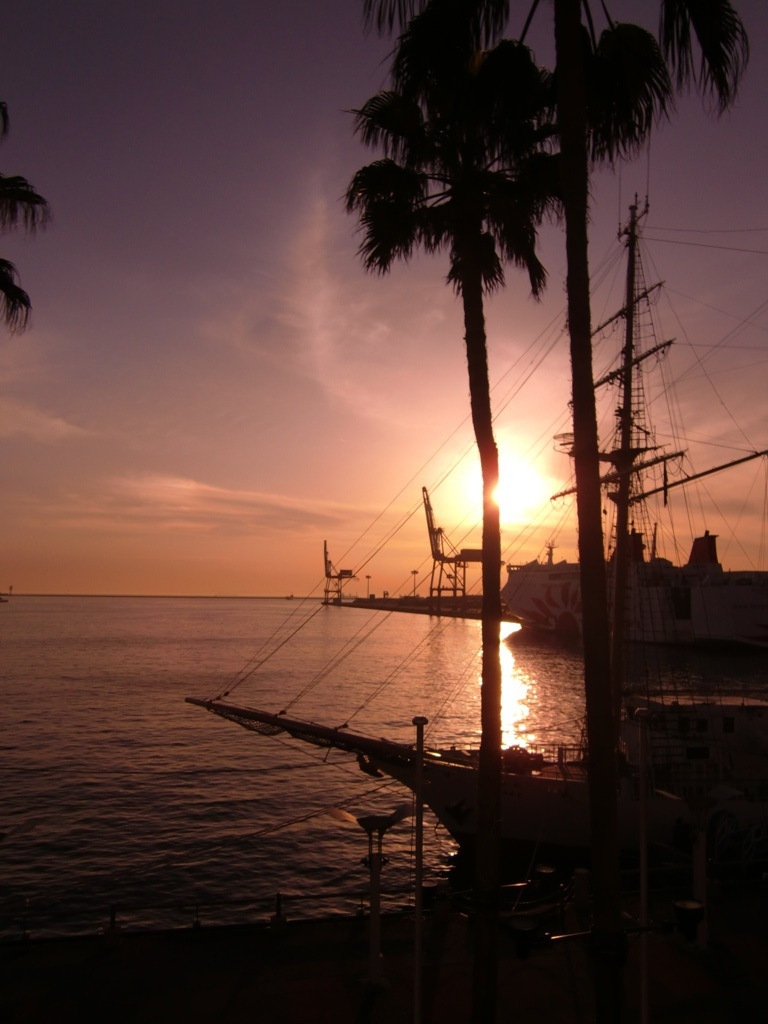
x=349, y=647
x=317, y=812
x=255, y=663
x=425, y=641
x=526, y=364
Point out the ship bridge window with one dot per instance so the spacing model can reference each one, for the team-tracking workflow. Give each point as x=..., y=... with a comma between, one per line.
x=729, y=724
x=681, y=602
x=697, y=753
x=702, y=725
x=683, y=725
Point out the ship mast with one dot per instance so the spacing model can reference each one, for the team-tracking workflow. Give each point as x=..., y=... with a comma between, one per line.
x=625, y=467
x=623, y=459
x=669, y=484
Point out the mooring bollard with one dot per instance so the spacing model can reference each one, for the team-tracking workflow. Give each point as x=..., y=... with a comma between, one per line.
x=278, y=920
x=111, y=934
x=25, y=921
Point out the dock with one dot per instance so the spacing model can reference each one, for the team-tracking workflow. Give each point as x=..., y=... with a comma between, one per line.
x=318, y=970
x=456, y=608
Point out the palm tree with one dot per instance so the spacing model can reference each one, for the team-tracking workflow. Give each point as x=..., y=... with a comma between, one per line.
x=598, y=120
x=610, y=91
x=19, y=205
x=466, y=171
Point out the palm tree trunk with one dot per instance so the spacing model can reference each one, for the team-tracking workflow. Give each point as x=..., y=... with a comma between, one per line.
x=487, y=868
x=607, y=932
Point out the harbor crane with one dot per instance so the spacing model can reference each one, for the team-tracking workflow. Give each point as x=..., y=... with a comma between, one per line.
x=334, y=579
x=449, y=565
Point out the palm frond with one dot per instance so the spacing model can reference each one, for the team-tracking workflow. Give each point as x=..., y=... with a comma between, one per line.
x=437, y=223
x=628, y=88
x=722, y=41
x=3, y=118
x=482, y=257
x=385, y=14
x=15, y=307
x=388, y=199
x=512, y=216
x=510, y=79
x=19, y=203
x=539, y=185
x=490, y=15
x=459, y=127
x=435, y=46
x=382, y=179
x=394, y=122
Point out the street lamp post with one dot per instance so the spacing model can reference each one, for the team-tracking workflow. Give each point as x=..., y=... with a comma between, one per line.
x=414, y=573
x=375, y=825
x=367, y=586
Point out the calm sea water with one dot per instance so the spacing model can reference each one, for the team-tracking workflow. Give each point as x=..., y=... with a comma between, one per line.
x=116, y=792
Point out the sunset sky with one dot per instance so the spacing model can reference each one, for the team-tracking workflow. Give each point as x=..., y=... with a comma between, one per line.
x=212, y=386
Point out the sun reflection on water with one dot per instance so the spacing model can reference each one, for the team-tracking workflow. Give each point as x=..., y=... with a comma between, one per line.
x=516, y=695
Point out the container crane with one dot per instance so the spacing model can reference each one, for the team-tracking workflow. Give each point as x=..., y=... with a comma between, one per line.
x=334, y=579
x=449, y=565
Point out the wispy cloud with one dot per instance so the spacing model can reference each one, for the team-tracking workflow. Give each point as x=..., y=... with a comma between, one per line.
x=18, y=419
x=177, y=503
x=351, y=339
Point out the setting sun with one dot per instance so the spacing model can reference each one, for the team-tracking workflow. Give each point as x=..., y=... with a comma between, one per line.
x=522, y=490
x=522, y=494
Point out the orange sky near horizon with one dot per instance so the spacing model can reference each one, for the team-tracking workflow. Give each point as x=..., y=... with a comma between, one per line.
x=212, y=386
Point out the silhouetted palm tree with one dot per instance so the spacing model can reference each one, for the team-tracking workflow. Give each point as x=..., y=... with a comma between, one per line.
x=611, y=88
x=465, y=172
x=21, y=206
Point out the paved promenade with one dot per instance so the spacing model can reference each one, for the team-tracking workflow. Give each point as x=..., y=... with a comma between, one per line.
x=317, y=971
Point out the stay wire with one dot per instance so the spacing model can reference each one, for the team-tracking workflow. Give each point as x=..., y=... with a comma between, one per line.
x=319, y=811
x=348, y=648
x=436, y=630
x=255, y=663
x=533, y=366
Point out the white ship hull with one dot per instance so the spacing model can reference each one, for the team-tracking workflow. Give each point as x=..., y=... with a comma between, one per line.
x=666, y=604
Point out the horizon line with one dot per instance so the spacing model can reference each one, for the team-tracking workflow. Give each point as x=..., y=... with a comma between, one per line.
x=193, y=597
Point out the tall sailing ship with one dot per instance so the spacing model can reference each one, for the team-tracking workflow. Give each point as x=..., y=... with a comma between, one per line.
x=689, y=767
x=653, y=600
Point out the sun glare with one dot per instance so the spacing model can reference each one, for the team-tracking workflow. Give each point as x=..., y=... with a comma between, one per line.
x=515, y=694
x=522, y=494
x=522, y=490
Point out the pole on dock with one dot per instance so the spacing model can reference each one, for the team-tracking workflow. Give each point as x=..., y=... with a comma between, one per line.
x=375, y=859
x=419, y=721
x=644, y=909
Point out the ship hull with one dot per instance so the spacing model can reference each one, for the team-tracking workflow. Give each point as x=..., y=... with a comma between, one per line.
x=545, y=817
x=666, y=604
